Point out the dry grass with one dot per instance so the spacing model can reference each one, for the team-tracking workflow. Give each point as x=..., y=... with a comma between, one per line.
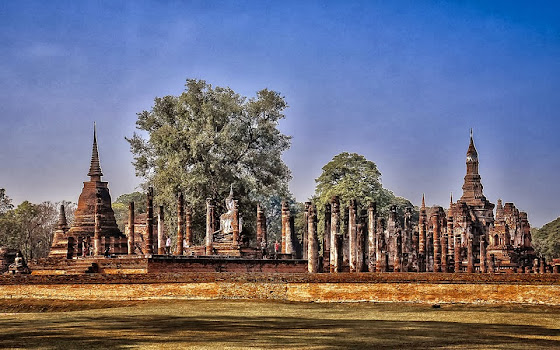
x=227, y=324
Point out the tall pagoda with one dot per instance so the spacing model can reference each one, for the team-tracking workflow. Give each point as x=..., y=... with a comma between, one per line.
x=94, y=230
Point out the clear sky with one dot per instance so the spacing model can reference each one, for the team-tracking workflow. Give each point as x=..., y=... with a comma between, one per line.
x=400, y=82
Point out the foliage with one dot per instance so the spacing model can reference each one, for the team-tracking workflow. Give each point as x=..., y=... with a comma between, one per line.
x=5, y=202
x=352, y=176
x=546, y=240
x=207, y=139
x=120, y=206
x=30, y=227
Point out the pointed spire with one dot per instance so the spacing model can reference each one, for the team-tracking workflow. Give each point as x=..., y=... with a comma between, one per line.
x=94, y=168
x=451, y=200
x=423, y=202
x=472, y=154
x=62, y=223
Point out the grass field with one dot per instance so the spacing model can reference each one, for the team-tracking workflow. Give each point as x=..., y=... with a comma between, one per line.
x=253, y=324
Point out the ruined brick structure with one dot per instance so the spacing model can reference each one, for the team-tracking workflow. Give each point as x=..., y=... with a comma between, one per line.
x=468, y=237
x=223, y=238
x=94, y=228
x=140, y=232
x=478, y=241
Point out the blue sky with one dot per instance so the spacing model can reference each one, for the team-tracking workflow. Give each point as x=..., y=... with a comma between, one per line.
x=400, y=82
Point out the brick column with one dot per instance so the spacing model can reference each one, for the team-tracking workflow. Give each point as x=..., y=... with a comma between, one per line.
x=161, y=229
x=437, y=243
x=313, y=244
x=304, y=236
x=131, y=249
x=444, y=264
x=235, y=222
x=335, y=232
x=337, y=252
x=285, y=224
x=415, y=242
x=361, y=233
x=287, y=241
x=265, y=235
x=422, y=247
x=422, y=228
x=180, y=223
x=352, y=235
x=397, y=263
x=450, y=242
x=470, y=262
x=150, y=222
x=292, y=237
x=483, y=260
x=380, y=264
x=188, y=227
x=371, y=236
x=209, y=226
x=457, y=254
x=327, y=239
x=260, y=215
x=97, y=249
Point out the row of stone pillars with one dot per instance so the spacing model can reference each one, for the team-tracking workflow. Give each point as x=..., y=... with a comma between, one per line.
x=360, y=225
x=367, y=248
x=448, y=250
x=310, y=242
x=184, y=226
x=332, y=239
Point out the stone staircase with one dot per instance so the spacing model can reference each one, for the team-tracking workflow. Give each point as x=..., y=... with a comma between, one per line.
x=116, y=265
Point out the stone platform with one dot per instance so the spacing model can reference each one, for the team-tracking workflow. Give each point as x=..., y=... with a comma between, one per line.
x=165, y=264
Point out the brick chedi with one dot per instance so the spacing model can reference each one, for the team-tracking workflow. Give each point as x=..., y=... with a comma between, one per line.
x=94, y=200
x=479, y=242
x=465, y=238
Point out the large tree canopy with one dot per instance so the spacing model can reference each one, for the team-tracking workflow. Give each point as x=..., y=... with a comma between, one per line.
x=352, y=176
x=207, y=139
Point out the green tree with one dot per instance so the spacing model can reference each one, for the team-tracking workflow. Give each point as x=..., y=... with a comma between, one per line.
x=5, y=202
x=29, y=228
x=120, y=206
x=352, y=176
x=546, y=240
x=207, y=139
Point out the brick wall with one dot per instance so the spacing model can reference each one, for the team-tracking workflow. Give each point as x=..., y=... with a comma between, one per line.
x=178, y=265
x=393, y=287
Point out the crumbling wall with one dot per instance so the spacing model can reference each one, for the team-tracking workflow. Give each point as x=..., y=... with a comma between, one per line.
x=343, y=287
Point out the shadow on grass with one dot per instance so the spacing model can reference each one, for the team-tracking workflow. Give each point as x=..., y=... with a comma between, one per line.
x=265, y=332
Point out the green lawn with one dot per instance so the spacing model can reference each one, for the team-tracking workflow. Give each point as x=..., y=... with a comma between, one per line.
x=253, y=324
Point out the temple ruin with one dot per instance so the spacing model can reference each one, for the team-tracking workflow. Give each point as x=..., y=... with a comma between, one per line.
x=466, y=238
x=94, y=229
